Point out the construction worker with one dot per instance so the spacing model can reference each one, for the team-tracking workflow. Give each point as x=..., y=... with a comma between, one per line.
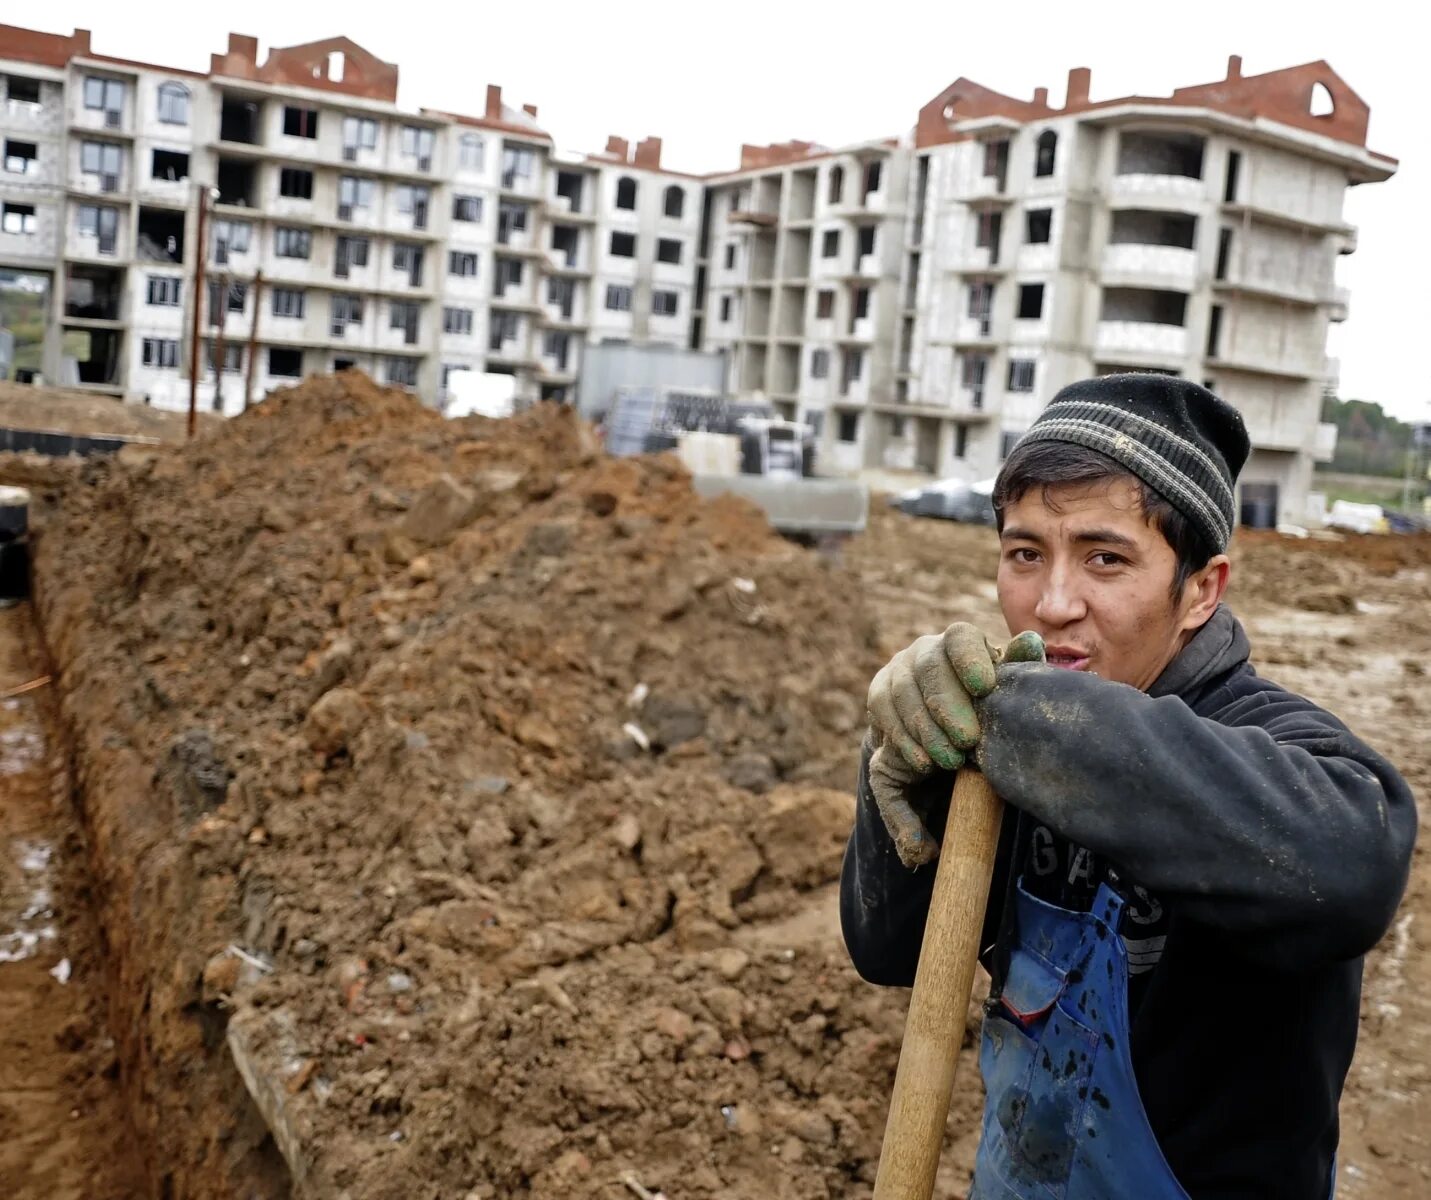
x=1194, y=860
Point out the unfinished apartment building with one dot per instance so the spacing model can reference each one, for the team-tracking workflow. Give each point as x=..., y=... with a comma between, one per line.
x=341, y=231
x=1196, y=235
x=920, y=302
x=801, y=254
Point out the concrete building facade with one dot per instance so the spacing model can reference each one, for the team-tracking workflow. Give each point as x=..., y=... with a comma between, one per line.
x=1023, y=247
x=918, y=299
x=353, y=233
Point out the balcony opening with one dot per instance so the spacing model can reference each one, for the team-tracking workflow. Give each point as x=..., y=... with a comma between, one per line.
x=996, y=163
x=1039, y=226
x=161, y=235
x=866, y=242
x=860, y=309
x=988, y=226
x=21, y=89
x=848, y=428
x=19, y=218
x=97, y=354
x=852, y=369
x=1046, y=153
x=1161, y=154
x=285, y=362
x=300, y=122
x=675, y=202
x=508, y=275
x=405, y=316
x=873, y=171
x=973, y=373
x=20, y=157
x=981, y=305
x=240, y=121
x=238, y=183
x=626, y=192
x=837, y=183
x=569, y=186
x=562, y=294
x=556, y=346
x=1148, y=306
x=1146, y=227
x=94, y=293
x=1224, y=253
x=170, y=166
x=566, y=240
x=511, y=219
x=1030, y=301
x=296, y=183
x=1214, y=332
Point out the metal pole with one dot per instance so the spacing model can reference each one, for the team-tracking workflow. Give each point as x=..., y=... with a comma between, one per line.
x=253, y=339
x=221, y=288
x=200, y=254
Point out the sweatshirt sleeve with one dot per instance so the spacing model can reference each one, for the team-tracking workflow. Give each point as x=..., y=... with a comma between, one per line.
x=1272, y=823
x=884, y=904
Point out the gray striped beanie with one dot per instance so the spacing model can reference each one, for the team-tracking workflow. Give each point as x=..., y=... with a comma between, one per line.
x=1181, y=440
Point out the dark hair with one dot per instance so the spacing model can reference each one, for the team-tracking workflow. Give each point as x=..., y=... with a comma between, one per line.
x=1047, y=465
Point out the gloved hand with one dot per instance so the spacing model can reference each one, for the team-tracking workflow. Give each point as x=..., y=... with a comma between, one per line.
x=922, y=719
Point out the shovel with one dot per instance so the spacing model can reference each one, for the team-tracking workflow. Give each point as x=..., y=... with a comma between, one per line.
x=934, y=1028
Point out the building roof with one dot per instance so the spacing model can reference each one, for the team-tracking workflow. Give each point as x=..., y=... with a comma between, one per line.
x=1283, y=96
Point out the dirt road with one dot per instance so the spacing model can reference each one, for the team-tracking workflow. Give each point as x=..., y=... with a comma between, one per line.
x=62, y=1133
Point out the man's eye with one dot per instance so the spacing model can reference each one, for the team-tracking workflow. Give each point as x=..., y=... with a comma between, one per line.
x=1024, y=555
x=1105, y=558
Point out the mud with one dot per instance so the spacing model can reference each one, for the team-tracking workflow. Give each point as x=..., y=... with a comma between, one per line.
x=63, y=1135
x=468, y=807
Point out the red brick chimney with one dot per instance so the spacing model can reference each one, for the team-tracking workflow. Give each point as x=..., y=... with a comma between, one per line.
x=1234, y=67
x=648, y=153
x=618, y=147
x=1040, y=97
x=1079, y=80
x=494, y=102
x=530, y=110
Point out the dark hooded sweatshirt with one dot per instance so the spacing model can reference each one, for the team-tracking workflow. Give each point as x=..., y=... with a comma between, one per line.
x=1263, y=849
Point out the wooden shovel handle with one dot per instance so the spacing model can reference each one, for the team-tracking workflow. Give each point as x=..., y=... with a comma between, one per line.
x=934, y=1028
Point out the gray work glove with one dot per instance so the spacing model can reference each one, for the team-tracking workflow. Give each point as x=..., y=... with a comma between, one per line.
x=922, y=719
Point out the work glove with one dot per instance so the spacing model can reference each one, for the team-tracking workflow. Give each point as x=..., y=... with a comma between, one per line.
x=922, y=719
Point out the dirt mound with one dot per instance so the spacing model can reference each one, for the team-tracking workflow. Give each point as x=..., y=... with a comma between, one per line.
x=1321, y=575
x=460, y=775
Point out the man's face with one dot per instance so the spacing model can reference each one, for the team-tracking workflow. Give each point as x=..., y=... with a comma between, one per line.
x=1090, y=574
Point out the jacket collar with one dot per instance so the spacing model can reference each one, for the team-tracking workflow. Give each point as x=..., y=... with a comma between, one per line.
x=1215, y=649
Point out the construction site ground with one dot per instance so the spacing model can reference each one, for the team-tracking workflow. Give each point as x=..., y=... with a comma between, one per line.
x=442, y=809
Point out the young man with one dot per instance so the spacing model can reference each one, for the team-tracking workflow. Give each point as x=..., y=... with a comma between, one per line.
x=1194, y=860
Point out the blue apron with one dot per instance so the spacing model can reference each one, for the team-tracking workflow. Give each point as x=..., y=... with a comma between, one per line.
x=1064, y=1119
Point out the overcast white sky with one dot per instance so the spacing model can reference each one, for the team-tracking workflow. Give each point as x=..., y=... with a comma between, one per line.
x=707, y=77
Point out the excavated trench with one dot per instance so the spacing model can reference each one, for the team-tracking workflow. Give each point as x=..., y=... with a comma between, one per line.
x=79, y=1104
x=63, y=1132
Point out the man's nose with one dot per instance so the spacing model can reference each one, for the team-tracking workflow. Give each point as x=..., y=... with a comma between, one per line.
x=1060, y=601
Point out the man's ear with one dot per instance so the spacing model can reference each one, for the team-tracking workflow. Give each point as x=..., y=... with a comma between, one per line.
x=1204, y=590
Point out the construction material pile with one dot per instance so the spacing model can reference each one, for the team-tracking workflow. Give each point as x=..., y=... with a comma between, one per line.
x=484, y=794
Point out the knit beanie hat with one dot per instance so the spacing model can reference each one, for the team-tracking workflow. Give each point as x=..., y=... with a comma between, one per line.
x=1178, y=438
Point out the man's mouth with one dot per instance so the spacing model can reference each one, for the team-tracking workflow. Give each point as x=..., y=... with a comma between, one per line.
x=1066, y=658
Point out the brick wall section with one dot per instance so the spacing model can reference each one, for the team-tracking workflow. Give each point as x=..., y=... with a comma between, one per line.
x=1284, y=96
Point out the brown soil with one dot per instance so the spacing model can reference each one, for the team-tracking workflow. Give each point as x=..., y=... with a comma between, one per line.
x=56, y=410
x=349, y=685
x=62, y=1129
